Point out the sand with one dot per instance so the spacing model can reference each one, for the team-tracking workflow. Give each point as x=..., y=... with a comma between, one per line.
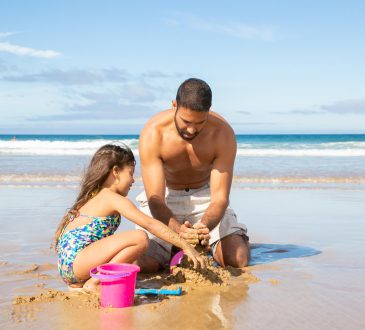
x=309, y=271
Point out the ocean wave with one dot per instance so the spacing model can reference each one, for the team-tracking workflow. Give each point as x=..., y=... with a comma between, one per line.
x=40, y=179
x=305, y=146
x=36, y=178
x=301, y=152
x=344, y=145
x=299, y=180
x=38, y=147
x=88, y=147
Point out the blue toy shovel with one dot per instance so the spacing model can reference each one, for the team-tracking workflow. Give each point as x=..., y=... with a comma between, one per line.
x=176, y=292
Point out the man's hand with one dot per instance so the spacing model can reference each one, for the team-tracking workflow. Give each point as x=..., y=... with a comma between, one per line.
x=189, y=234
x=203, y=233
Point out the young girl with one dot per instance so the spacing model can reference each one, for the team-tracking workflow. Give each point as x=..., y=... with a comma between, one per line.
x=85, y=237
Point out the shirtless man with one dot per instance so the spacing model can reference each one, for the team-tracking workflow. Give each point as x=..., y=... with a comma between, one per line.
x=187, y=155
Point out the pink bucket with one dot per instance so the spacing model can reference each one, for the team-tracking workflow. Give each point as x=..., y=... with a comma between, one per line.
x=117, y=282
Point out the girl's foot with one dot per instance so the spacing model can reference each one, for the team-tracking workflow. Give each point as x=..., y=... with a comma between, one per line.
x=76, y=289
x=92, y=285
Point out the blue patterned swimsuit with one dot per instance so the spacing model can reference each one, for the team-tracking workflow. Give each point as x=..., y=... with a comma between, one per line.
x=73, y=241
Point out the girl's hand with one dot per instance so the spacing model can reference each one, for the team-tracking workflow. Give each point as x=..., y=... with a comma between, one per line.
x=195, y=257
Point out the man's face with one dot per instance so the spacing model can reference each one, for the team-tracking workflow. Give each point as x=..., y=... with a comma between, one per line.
x=189, y=123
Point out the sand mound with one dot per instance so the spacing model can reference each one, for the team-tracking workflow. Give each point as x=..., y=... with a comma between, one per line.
x=211, y=276
x=78, y=299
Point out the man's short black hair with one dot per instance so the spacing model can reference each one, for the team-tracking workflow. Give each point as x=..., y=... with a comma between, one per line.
x=194, y=94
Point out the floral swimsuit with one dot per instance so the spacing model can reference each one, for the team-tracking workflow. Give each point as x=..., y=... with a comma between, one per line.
x=74, y=240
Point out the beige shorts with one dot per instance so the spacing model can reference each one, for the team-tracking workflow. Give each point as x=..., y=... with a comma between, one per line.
x=189, y=205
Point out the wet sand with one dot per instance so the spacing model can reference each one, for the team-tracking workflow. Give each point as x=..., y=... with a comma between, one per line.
x=308, y=267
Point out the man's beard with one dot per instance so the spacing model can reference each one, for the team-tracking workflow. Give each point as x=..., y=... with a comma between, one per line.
x=182, y=132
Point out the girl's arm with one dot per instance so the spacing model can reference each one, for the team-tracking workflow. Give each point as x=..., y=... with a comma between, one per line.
x=128, y=210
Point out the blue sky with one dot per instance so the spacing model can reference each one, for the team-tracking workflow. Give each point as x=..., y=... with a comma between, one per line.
x=104, y=67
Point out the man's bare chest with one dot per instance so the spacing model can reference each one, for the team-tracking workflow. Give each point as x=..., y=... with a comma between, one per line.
x=182, y=157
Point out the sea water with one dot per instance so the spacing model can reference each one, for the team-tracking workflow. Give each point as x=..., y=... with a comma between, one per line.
x=262, y=160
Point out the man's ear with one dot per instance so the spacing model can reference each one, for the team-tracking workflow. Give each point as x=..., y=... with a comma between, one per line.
x=174, y=105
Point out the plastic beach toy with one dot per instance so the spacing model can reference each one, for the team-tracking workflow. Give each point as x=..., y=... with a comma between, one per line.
x=176, y=259
x=117, y=282
x=168, y=292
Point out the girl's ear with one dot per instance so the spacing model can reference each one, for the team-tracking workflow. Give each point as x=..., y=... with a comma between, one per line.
x=115, y=170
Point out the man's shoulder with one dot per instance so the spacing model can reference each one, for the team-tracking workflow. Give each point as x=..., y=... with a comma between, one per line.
x=221, y=124
x=159, y=120
x=156, y=125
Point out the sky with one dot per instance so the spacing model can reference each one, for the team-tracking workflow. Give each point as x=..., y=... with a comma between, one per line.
x=105, y=67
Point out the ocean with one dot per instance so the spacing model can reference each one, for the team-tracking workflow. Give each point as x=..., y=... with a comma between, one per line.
x=272, y=161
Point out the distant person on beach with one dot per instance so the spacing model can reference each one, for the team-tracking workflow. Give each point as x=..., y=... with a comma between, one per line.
x=85, y=236
x=187, y=155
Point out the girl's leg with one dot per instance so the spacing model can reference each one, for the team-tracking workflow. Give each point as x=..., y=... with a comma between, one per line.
x=123, y=247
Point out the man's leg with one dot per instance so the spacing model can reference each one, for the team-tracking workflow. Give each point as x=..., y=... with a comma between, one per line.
x=158, y=252
x=155, y=258
x=148, y=264
x=233, y=250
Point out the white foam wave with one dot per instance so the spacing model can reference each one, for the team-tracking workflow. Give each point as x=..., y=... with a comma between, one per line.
x=38, y=178
x=302, y=152
x=44, y=179
x=300, y=180
x=88, y=147
x=38, y=147
x=341, y=145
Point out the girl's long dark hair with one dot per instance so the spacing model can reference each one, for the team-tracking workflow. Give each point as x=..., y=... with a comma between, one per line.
x=101, y=164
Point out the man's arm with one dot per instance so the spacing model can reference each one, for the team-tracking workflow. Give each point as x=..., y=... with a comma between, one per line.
x=154, y=183
x=221, y=179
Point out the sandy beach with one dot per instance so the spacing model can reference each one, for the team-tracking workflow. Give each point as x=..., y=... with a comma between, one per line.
x=307, y=271
x=263, y=97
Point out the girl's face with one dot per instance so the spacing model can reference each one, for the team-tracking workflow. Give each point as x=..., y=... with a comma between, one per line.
x=126, y=180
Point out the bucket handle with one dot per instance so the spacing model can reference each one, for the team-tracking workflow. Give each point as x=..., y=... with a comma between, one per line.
x=107, y=276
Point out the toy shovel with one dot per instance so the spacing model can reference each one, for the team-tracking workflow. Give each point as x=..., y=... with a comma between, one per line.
x=176, y=292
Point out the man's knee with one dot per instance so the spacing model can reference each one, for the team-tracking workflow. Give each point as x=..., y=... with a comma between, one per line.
x=238, y=261
x=233, y=250
x=148, y=264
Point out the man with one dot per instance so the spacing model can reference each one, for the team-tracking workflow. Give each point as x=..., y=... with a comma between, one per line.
x=187, y=155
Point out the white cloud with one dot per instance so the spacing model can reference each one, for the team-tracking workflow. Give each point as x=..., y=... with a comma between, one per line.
x=25, y=51
x=233, y=29
x=344, y=107
x=237, y=30
x=87, y=77
x=6, y=34
x=101, y=111
x=355, y=106
x=72, y=76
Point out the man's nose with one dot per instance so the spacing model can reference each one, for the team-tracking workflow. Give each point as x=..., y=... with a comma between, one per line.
x=191, y=129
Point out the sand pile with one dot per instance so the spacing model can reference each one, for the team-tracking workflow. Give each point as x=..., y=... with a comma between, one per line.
x=76, y=299
x=211, y=276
